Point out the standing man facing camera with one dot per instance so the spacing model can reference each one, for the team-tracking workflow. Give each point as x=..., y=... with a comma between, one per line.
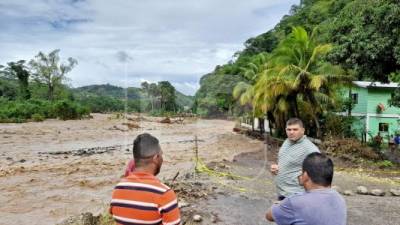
x=290, y=158
x=140, y=198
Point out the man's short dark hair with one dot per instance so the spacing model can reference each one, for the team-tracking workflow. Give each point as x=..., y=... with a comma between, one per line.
x=145, y=146
x=293, y=121
x=319, y=168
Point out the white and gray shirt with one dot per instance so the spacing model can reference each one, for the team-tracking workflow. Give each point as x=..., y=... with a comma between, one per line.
x=290, y=160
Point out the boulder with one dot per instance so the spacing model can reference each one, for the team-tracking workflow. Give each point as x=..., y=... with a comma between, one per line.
x=197, y=218
x=395, y=192
x=348, y=193
x=377, y=192
x=362, y=190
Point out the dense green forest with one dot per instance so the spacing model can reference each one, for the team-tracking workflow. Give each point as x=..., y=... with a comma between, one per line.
x=36, y=89
x=296, y=68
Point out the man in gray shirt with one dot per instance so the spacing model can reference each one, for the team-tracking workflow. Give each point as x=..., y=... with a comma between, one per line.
x=291, y=155
x=319, y=205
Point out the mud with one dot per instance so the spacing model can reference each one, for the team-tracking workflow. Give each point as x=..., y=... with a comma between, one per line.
x=54, y=169
x=244, y=201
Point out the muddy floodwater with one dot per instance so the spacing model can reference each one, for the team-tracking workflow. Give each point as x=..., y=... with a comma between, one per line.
x=55, y=169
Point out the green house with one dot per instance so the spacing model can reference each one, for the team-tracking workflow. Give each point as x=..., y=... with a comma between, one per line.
x=373, y=111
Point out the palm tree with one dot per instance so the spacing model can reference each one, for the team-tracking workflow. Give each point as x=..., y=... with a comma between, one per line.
x=297, y=75
x=244, y=90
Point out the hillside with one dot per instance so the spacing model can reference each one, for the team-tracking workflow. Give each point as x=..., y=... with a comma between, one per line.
x=133, y=93
x=364, y=36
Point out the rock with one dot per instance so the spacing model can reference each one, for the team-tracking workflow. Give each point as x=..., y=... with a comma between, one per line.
x=197, y=218
x=377, y=192
x=9, y=158
x=131, y=125
x=362, y=190
x=395, y=192
x=22, y=160
x=182, y=204
x=83, y=219
x=166, y=120
x=348, y=193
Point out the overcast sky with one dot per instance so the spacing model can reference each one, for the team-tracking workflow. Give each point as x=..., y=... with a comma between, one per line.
x=126, y=42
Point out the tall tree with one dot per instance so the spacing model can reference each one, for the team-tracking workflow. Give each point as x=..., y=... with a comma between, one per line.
x=49, y=70
x=18, y=70
x=367, y=38
x=167, y=96
x=244, y=90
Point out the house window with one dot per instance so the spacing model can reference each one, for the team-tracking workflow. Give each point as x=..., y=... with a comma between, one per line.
x=383, y=127
x=354, y=98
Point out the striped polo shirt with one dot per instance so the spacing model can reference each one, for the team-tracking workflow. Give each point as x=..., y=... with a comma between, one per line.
x=141, y=198
x=290, y=160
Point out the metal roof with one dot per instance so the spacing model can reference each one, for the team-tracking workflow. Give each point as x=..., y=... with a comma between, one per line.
x=369, y=84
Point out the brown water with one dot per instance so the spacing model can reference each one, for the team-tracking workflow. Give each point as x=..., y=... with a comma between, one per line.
x=45, y=189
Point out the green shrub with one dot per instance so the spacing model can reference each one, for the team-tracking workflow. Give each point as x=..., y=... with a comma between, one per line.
x=19, y=111
x=37, y=117
x=384, y=164
x=66, y=110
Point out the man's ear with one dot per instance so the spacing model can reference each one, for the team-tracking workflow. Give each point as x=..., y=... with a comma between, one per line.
x=305, y=177
x=155, y=158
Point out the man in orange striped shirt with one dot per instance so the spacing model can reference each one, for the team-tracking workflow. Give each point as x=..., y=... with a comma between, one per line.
x=140, y=198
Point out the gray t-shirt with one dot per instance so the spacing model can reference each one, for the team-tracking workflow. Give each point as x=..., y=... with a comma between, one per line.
x=290, y=159
x=315, y=207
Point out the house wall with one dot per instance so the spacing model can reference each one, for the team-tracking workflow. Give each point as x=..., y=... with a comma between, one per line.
x=374, y=125
x=380, y=95
x=362, y=105
x=367, y=115
x=359, y=126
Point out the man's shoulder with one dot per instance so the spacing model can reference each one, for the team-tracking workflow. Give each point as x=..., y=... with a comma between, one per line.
x=151, y=185
x=314, y=196
x=310, y=145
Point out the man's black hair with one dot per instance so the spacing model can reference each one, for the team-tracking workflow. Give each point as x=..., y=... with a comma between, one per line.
x=145, y=146
x=319, y=168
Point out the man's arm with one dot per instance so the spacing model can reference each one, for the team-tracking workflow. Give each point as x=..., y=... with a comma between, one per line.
x=169, y=210
x=268, y=216
x=274, y=169
x=281, y=213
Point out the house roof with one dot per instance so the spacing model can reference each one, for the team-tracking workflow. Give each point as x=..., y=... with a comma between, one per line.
x=369, y=84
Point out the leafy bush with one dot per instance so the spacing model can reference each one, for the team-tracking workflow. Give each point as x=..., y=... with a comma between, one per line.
x=38, y=110
x=384, y=164
x=37, y=117
x=338, y=126
x=67, y=110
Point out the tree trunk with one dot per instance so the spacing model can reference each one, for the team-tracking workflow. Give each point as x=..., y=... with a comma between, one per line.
x=294, y=111
x=349, y=107
x=261, y=125
x=51, y=92
x=252, y=123
x=317, y=127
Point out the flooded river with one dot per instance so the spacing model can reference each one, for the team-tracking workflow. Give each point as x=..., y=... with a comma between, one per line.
x=45, y=176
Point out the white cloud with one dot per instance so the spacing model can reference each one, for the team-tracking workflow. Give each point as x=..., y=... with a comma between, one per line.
x=125, y=42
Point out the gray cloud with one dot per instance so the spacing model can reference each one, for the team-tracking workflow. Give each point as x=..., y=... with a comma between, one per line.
x=175, y=40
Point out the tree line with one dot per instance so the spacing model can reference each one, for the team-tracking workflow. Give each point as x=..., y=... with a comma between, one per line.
x=37, y=89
